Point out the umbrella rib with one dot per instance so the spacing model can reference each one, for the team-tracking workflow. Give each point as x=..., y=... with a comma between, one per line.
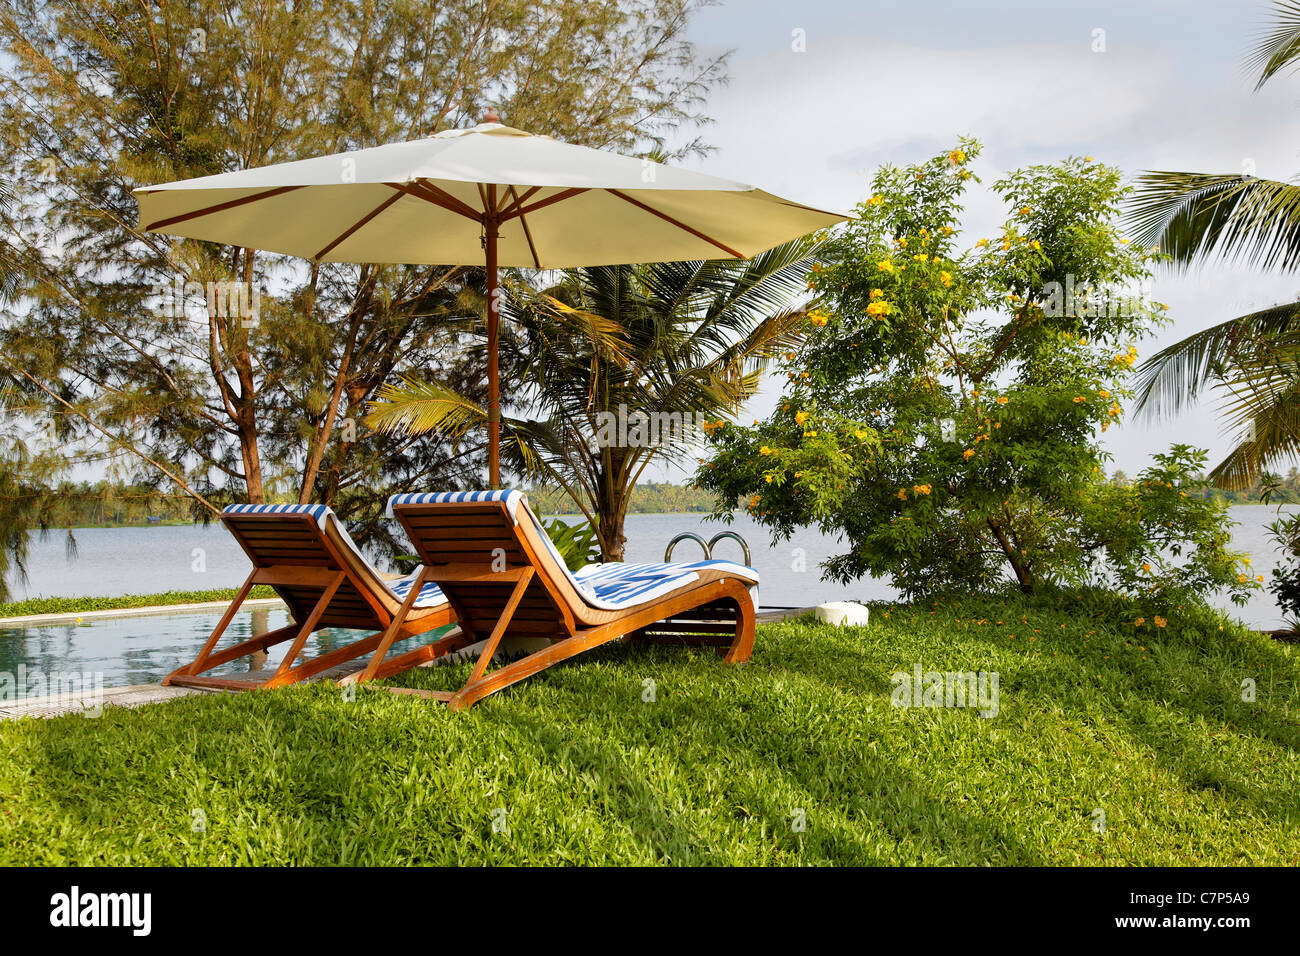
x=358, y=224
x=558, y=197
x=509, y=210
x=432, y=194
x=678, y=223
x=219, y=207
x=528, y=233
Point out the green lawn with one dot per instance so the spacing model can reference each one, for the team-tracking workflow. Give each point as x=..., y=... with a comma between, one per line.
x=1148, y=726
x=78, y=605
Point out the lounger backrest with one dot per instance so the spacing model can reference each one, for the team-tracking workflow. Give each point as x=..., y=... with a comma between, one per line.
x=276, y=536
x=480, y=528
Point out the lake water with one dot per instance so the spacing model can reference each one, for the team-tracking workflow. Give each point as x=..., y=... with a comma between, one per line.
x=115, y=561
x=144, y=649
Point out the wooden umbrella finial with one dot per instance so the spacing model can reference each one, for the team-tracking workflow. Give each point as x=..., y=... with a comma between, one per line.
x=491, y=116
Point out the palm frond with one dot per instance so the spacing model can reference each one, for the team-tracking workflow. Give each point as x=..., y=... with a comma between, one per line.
x=1175, y=376
x=1278, y=47
x=1264, y=402
x=1198, y=216
x=418, y=407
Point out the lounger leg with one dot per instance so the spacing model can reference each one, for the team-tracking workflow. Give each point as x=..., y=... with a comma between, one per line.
x=196, y=665
x=743, y=645
x=282, y=673
x=394, y=626
x=499, y=631
x=538, y=661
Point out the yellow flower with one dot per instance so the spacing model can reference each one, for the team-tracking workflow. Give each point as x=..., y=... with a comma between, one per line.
x=765, y=450
x=902, y=494
x=981, y=244
x=921, y=489
x=1139, y=622
x=885, y=265
x=1002, y=399
x=800, y=417
x=1078, y=399
x=957, y=157
x=1036, y=244
x=945, y=278
x=768, y=479
x=1024, y=210
x=1259, y=578
x=1146, y=568
x=1159, y=622
x=1242, y=578
x=876, y=293
x=875, y=200
x=946, y=230
x=968, y=452
x=1103, y=393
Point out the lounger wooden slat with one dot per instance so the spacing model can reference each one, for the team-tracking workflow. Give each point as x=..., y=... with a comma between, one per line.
x=306, y=556
x=493, y=562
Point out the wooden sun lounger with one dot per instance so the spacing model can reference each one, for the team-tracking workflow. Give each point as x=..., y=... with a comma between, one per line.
x=306, y=555
x=500, y=573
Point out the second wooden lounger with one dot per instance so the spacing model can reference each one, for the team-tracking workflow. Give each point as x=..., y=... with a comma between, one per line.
x=501, y=573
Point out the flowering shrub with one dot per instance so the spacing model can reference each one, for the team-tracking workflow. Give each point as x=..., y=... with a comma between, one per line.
x=947, y=425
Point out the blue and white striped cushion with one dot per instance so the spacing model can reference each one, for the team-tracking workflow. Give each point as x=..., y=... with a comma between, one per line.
x=607, y=587
x=510, y=496
x=624, y=584
x=319, y=512
x=430, y=595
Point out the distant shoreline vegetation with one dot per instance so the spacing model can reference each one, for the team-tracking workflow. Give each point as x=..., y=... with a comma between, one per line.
x=103, y=505
x=106, y=505
x=1286, y=493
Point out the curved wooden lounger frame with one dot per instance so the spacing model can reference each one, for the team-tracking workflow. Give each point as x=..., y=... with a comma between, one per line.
x=323, y=585
x=497, y=582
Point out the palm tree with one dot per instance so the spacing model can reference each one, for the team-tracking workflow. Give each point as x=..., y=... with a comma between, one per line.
x=1254, y=359
x=622, y=365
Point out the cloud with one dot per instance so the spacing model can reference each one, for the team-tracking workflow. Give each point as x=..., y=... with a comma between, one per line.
x=814, y=126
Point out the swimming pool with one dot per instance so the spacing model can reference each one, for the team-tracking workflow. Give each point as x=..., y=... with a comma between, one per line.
x=143, y=649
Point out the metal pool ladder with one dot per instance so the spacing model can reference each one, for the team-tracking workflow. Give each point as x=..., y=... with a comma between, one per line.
x=708, y=545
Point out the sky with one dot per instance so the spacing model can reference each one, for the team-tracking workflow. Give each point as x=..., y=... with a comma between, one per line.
x=896, y=82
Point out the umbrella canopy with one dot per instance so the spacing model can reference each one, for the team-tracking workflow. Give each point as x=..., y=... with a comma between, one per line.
x=491, y=195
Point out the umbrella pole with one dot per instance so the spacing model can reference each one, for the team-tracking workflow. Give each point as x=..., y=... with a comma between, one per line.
x=494, y=404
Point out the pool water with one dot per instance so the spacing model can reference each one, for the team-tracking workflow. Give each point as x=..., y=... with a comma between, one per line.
x=144, y=649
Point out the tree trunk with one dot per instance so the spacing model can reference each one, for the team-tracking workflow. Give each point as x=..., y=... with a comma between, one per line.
x=609, y=516
x=1014, y=558
x=611, y=509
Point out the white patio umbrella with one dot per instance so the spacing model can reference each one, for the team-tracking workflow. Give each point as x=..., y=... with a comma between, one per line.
x=489, y=195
